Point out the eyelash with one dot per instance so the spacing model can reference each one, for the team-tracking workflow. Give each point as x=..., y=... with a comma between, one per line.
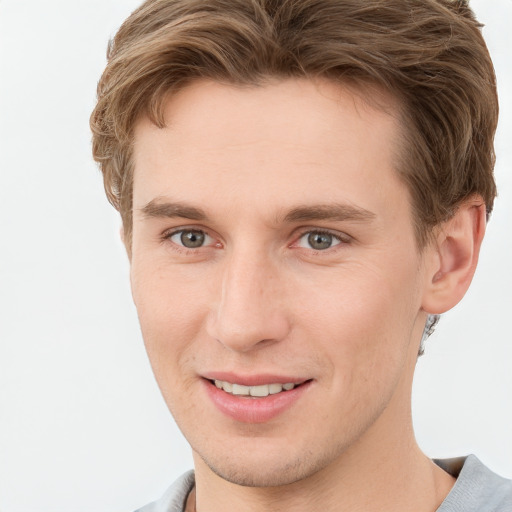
x=167, y=237
x=342, y=239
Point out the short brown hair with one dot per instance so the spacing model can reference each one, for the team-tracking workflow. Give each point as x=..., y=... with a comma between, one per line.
x=429, y=54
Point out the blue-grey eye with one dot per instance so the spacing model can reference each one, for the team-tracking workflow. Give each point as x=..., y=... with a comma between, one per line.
x=190, y=238
x=318, y=240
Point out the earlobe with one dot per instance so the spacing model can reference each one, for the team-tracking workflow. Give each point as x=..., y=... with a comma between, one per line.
x=455, y=256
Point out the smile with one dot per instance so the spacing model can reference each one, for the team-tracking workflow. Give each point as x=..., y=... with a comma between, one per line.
x=255, y=399
x=254, y=391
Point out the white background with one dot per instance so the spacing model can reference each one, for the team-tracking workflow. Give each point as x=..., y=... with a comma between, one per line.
x=82, y=424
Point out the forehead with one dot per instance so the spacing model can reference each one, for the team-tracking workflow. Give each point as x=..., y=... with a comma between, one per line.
x=295, y=140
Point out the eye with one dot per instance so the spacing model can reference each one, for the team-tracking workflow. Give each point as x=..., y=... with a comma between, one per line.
x=318, y=240
x=191, y=238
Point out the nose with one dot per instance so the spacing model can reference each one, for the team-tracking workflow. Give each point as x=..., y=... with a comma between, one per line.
x=251, y=311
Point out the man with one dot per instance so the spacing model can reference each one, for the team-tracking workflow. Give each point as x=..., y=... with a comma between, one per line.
x=304, y=187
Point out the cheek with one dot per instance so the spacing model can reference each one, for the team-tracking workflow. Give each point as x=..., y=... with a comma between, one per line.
x=171, y=314
x=165, y=295
x=362, y=317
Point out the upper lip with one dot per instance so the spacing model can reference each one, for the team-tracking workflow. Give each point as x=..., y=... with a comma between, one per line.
x=253, y=380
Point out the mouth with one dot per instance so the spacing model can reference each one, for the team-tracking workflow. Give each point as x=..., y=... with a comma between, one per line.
x=260, y=391
x=256, y=399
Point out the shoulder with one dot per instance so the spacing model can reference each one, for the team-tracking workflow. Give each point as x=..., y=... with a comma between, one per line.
x=477, y=488
x=174, y=498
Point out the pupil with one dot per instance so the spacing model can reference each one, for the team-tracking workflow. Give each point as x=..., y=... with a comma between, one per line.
x=320, y=241
x=192, y=239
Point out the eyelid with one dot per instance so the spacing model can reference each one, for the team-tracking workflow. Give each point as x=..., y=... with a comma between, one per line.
x=167, y=235
x=341, y=237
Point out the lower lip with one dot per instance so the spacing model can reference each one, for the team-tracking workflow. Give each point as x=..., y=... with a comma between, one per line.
x=254, y=410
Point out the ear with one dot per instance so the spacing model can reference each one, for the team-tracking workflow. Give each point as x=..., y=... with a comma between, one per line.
x=453, y=256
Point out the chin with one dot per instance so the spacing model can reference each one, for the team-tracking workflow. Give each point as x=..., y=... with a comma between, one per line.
x=250, y=469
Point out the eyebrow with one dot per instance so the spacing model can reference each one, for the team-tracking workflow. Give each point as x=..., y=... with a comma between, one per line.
x=334, y=212
x=305, y=213
x=157, y=208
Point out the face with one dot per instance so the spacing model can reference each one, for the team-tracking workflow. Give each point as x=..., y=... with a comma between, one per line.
x=276, y=275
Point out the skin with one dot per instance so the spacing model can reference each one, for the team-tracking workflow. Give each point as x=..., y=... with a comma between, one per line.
x=257, y=298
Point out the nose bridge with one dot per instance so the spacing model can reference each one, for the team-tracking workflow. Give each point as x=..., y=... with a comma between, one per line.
x=250, y=310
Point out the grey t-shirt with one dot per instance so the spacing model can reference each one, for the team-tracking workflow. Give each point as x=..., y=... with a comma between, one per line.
x=477, y=489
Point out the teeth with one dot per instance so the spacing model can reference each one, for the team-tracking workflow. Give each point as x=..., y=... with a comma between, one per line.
x=238, y=389
x=255, y=391
x=275, y=388
x=259, y=390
